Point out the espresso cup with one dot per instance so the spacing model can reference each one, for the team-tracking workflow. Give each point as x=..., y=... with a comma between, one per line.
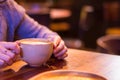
x=36, y=51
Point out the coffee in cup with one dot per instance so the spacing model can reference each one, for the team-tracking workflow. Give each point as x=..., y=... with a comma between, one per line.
x=36, y=51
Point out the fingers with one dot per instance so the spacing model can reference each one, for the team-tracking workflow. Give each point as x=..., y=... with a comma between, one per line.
x=56, y=40
x=6, y=58
x=59, y=47
x=61, y=51
x=62, y=54
x=8, y=52
x=13, y=46
x=2, y=63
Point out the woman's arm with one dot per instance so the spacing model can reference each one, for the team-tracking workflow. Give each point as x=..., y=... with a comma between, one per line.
x=29, y=28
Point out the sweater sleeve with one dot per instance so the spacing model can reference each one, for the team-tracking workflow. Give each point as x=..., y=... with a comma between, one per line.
x=29, y=28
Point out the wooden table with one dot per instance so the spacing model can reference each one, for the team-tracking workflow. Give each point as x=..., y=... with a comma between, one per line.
x=105, y=65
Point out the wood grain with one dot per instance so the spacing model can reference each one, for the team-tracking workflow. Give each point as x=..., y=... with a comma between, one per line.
x=101, y=64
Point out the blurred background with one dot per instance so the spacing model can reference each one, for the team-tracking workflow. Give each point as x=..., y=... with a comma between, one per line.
x=79, y=22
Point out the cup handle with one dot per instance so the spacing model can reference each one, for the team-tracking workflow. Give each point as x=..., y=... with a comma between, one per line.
x=21, y=55
x=19, y=43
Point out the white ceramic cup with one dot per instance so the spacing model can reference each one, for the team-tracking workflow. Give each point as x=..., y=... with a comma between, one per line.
x=36, y=51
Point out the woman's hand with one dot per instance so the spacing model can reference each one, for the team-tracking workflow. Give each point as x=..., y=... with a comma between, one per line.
x=60, y=50
x=8, y=52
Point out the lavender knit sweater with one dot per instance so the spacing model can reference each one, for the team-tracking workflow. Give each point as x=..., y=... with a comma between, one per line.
x=16, y=24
